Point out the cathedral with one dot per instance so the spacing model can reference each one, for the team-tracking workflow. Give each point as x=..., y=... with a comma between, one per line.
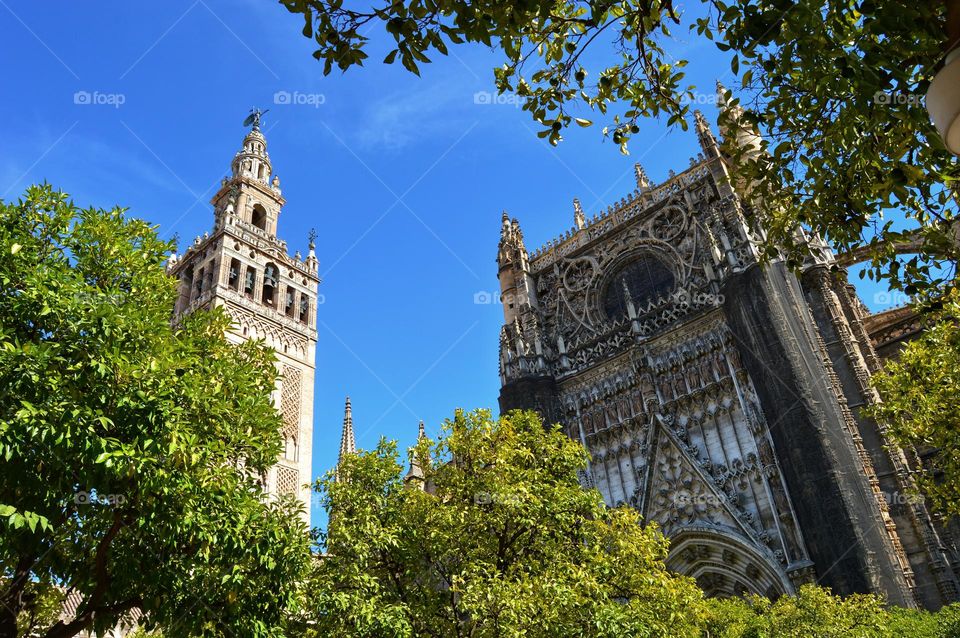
x=720, y=396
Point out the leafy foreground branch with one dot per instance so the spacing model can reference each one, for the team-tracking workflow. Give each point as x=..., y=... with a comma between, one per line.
x=835, y=87
x=921, y=404
x=492, y=535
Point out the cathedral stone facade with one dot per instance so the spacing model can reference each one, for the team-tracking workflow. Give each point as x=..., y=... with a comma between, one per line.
x=720, y=397
x=244, y=267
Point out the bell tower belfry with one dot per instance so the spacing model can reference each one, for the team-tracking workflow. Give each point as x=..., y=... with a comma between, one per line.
x=243, y=267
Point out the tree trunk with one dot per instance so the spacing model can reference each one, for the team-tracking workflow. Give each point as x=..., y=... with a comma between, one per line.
x=85, y=620
x=8, y=622
x=12, y=603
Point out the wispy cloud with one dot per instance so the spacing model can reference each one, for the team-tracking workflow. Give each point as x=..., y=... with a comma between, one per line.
x=87, y=167
x=400, y=119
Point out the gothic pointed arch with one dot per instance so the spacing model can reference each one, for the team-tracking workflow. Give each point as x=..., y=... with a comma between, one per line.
x=725, y=564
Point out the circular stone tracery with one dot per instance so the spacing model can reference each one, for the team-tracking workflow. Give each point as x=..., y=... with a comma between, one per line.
x=647, y=278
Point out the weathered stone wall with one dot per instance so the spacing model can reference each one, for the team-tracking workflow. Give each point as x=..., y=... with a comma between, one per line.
x=836, y=505
x=535, y=393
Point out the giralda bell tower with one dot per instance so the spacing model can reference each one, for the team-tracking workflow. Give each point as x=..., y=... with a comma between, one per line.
x=243, y=267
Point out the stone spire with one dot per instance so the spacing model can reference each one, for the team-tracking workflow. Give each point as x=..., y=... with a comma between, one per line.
x=705, y=136
x=312, y=261
x=252, y=160
x=516, y=285
x=251, y=192
x=733, y=126
x=348, y=444
x=643, y=181
x=722, y=98
x=416, y=463
x=511, y=249
x=578, y=219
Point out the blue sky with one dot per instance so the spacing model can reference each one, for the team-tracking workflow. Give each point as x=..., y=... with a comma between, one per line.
x=404, y=178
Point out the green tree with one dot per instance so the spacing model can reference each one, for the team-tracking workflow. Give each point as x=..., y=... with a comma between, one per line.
x=130, y=448
x=834, y=86
x=503, y=542
x=815, y=613
x=921, y=403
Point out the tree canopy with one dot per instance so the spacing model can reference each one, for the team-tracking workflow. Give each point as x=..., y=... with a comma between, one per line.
x=834, y=86
x=491, y=534
x=503, y=541
x=921, y=404
x=813, y=612
x=131, y=449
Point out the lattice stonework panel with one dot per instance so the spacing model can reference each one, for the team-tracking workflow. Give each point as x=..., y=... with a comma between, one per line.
x=290, y=395
x=288, y=480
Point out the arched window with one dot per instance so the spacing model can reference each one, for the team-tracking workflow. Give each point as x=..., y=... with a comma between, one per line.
x=288, y=305
x=198, y=284
x=260, y=172
x=304, y=309
x=290, y=449
x=250, y=282
x=270, y=273
x=234, y=277
x=647, y=278
x=186, y=286
x=259, y=217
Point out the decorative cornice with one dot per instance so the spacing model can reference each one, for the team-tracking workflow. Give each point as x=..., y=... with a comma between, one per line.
x=637, y=204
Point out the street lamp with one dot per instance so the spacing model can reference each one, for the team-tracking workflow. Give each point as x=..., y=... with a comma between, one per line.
x=943, y=96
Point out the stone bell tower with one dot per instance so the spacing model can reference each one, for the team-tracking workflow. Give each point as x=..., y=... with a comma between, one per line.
x=243, y=267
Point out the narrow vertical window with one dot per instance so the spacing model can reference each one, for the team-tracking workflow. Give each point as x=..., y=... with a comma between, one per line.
x=269, y=285
x=186, y=287
x=291, y=451
x=250, y=282
x=198, y=284
x=259, y=217
x=234, y=276
x=304, y=309
x=289, y=307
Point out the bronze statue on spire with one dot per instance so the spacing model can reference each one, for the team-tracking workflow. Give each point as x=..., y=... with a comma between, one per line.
x=254, y=118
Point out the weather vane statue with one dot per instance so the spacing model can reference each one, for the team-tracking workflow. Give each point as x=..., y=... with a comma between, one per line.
x=254, y=118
